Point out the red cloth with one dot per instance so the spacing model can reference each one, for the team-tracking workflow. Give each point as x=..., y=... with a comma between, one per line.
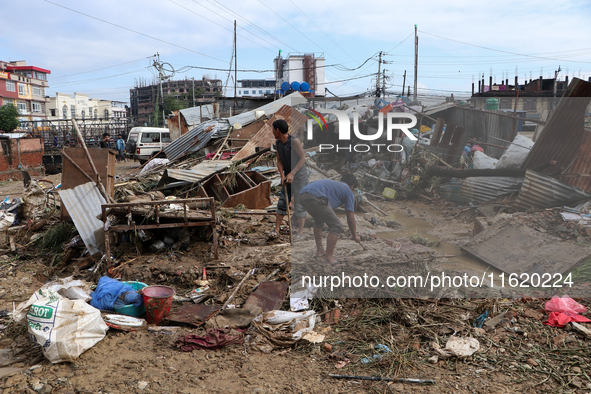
x=561, y=319
x=214, y=338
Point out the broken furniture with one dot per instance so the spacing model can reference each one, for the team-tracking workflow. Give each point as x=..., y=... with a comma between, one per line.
x=176, y=214
x=249, y=188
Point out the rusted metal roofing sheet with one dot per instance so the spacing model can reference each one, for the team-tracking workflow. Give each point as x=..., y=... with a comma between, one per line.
x=482, y=189
x=84, y=204
x=543, y=191
x=200, y=172
x=248, y=117
x=264, y=138
x=197, y=138
x=268, y=296
x=559, y=145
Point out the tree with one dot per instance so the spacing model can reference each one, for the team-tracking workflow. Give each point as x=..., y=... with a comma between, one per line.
x=173, y=104
x=8, y=118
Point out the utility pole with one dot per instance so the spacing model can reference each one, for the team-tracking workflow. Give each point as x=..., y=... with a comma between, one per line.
x=416, y=62
x=403, y=83
x=384, y=84
x=555, y=80
x=235, y=68
x=158, y=67
x=378, y=76
x=193, y=91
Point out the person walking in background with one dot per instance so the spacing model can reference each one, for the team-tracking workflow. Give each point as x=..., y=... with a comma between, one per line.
x=291, y=163
x=320, y=198
x=121, y=149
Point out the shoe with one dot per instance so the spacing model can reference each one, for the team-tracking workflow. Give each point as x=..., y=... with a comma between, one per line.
x=273, y=234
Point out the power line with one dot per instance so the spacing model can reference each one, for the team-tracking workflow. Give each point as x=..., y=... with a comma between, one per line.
x=229, y=11
x=500, y=50
x=318, y=27
x=134, y=31
x=100, y=69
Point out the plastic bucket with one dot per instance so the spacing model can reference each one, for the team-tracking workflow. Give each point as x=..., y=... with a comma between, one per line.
x=304, y=86
x=157, y=300
x=132, y=310
x=295, y=86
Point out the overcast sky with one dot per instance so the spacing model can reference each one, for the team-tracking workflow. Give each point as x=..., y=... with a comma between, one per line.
x=105, y=47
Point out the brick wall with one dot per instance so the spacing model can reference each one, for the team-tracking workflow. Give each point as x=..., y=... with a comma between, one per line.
x=26, y=152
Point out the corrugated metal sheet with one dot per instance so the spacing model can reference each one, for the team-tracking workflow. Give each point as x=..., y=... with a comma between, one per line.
x=561, y=140
x=437, y=108
x=197, y=138
x=84, y=204
x=483, y=189
x=543, y=191
x=193, y=115
x=248, y=117
x=264, y=138
x=200, y=171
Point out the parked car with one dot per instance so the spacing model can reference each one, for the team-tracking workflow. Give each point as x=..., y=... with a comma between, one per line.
x=144, y=143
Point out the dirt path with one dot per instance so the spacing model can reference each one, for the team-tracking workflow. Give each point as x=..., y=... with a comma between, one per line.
x=520, y=355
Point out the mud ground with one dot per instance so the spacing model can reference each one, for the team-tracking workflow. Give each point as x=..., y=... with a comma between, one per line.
x=519, y=355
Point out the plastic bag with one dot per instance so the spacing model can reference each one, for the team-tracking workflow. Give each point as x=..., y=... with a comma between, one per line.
x=34, y=206
x=515, y=155
x=64, y=328
x=564, y=304
x=70, y=288
x=107, y=292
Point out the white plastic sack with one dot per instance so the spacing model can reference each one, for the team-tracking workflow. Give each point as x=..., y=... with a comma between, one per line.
x=482, y=161
x=65, y=329
x=153, y=163
x=6, y=220
x=516, y=153
x=70, y=288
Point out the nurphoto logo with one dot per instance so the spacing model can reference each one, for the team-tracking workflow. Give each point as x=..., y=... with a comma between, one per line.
x=345, y=131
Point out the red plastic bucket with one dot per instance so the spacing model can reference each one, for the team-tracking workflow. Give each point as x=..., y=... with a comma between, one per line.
x=157, y=300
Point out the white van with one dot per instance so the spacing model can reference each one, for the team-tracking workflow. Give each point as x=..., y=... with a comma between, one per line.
x=145, y=142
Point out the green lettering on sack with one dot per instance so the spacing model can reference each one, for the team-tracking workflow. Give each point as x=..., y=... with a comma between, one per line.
x=41, y=311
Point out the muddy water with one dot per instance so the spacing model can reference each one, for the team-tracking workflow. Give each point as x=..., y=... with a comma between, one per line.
x=457, y=261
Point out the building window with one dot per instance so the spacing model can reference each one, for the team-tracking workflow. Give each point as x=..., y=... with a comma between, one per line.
x=529, y=104
x=52, y=111
x=65, y=111
x=37, y=108
x=506, y=103
x=260, y=92
x=83, y=113
x=95, y=113
x=10, y=86
x=21, y=89
x=5, y=147
x=73, y=110
x=37, y=91
x=268, y=91
x=246, y=92
x=107, y=114
x=21, y=106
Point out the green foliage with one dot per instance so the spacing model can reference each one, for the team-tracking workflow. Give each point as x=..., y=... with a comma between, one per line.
x=173, y=104
x=8, y=118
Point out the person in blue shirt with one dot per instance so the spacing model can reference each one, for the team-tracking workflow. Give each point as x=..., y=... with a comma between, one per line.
x=120, y=149
x=319, y=198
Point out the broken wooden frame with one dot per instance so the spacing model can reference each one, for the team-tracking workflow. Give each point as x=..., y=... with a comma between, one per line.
x=206, y=203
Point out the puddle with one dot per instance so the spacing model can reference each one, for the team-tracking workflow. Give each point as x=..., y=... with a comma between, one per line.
x=415, y=225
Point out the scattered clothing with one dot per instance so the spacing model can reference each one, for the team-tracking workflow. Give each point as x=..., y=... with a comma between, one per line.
x=561, y=319
x=214, y=338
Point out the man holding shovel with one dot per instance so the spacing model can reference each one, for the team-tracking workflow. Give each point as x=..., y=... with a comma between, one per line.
x=291, y=163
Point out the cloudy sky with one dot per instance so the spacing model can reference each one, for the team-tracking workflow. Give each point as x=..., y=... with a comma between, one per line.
x=106, y=47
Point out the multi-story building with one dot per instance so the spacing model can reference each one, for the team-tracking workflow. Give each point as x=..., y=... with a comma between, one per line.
x=253, y=88
x=143, y=98
x=301, y=68
x=24, y=87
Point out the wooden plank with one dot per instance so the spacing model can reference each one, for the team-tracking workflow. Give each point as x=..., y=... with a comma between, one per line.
x=447, y=135
x=437, y=132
